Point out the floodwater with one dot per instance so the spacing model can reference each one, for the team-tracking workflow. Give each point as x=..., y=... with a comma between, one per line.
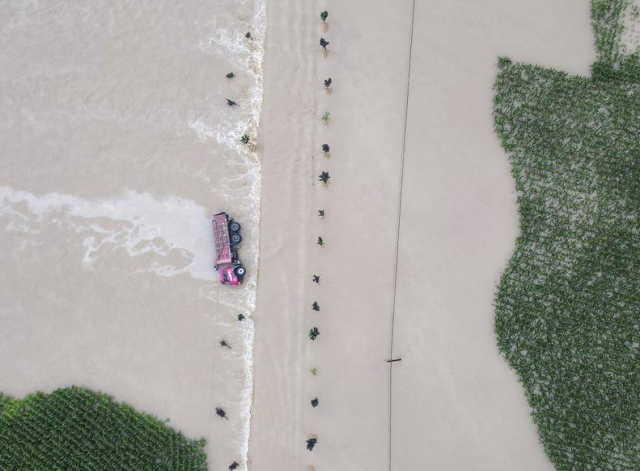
x=116, y=147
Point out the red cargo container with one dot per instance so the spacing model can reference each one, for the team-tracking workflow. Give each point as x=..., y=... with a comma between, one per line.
x=227, y=238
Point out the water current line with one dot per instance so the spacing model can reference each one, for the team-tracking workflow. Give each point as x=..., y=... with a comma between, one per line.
x=395, y=275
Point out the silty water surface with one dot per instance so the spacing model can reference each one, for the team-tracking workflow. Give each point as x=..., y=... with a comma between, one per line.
x=116, y=147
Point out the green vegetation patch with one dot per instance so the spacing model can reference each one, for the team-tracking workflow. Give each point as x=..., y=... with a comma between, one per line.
x=77, y=429
x=568, y=303
x=614, y=61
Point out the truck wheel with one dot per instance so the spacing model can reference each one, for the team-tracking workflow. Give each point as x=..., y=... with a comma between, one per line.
x=234, y=226
x=236, y=239
x=240, y=271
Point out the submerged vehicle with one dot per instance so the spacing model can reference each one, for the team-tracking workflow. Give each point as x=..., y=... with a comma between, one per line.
x=227, y=238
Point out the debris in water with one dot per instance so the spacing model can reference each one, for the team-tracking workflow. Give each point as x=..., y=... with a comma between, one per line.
x=221, y=413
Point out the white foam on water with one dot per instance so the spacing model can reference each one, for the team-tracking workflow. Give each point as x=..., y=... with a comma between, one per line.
x=246, y=56
x=244, y=184
x=250, y=158
x=144, y=225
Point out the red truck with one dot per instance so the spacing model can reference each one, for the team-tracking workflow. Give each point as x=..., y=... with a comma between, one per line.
x=226, y=236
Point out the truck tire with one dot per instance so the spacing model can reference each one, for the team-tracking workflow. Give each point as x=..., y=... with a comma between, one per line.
x=236, y=238
x=234, y=226
x=240, y=271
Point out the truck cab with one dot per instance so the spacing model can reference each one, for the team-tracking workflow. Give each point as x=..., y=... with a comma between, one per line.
x=227, y=238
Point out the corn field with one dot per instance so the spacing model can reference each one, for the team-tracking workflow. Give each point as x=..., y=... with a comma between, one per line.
x=75, y=429
x=568, y=303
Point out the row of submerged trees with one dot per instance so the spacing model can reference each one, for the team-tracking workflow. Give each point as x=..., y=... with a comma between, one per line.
x=324, y=177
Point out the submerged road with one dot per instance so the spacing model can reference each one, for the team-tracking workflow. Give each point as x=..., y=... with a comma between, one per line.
x=420, y=219
x=367, y=106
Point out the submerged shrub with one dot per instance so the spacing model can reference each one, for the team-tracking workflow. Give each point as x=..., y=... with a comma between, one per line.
x=311, y=443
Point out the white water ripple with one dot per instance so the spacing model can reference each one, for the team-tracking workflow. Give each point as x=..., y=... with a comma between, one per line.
x=245, y=56
x=144, y=225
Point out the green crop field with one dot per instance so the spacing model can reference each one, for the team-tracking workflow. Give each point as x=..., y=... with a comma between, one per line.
x=76, y=429
x=568, y=303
